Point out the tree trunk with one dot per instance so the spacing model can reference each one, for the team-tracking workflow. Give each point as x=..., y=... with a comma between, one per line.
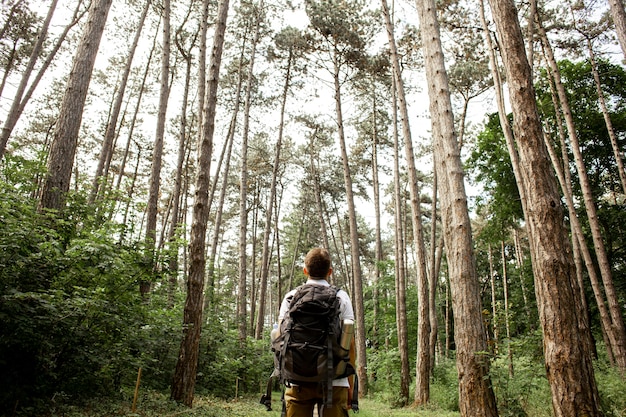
x=134, y=118
x=433, y=277
x=494, y=310
x=568, y=363
x=34, y=55
x=265, y=257
x=109, y=134
x=357, y=294
x=476, y=396
x=617, y=322
x=519, y=263
x=243, y=210
x=619, y=19
x=422, y=389
x=184, y=380
x=510, y=141
x=318, y=198
x=227, y=151
x=400, y=269
x=65, y=139
x=378, y=248
x=617, y=152
x=254, y=224
x=157, y=150
x=505, y=290
x=178, y=177
x=580, y=246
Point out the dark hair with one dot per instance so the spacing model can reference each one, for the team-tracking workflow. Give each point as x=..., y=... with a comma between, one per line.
x=317, y=263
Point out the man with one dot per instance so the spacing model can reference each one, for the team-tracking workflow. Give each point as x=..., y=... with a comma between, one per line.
x=300, y=401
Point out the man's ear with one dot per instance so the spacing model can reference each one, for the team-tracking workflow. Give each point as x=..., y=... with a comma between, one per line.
x=305, y=271
x=330, y=271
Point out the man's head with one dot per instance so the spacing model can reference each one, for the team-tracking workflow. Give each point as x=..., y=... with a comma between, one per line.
x=317, y=264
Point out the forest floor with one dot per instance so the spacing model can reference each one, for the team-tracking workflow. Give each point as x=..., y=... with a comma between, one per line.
x=154, y=404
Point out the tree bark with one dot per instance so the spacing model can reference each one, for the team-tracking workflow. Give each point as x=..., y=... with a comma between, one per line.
x=243, y=189
x=422, y=384
x=617, y=152
x=134, y=118
x=619, y=19
x=184, y=380
x=568, y=364
x=265, y=257
x=400, y=267
x=178, y=177
x=617, y=328
x=357, y=294
x=157, y=150
x=507, y=326
x=109, y=134
x=476, y=396
x=433, y=277
x=13, y=111
x=227, y=151
x=65, y=138
x=494, y=309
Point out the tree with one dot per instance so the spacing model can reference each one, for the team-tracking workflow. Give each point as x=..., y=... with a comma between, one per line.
x=399, y=250
x=157, y=149
x=184, y=380
x=619, y=19
x=209, y=305
x=568, y=363
x=63, y=147
x=291, y=42
x=617, y=329
x=242, y=306
x=475, y=392
x=19, y=38
x=423, y=372
x=18, y=102
x=109, y=135
x=182, y=154
x=339, y=26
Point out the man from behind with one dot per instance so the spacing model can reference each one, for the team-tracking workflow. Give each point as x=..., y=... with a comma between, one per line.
x=301, y=397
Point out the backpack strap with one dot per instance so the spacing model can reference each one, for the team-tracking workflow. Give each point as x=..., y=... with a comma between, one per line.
x=330, y=370
x=330, y=373
x=283, y=350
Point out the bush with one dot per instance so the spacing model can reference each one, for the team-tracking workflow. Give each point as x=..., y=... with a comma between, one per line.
x=611, y=387
x=74, y=325
x=226, y=369
x=444, y=390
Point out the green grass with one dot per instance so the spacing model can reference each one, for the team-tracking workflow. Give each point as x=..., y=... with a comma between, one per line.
x=153, y=404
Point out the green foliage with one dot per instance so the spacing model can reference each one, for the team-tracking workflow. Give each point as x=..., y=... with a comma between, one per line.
x=384, y=366
x=527, y=393
x=611, y=387
x=596, y=150
x=444, y=389
x=226, y=369
x=490, y=165
x=74, y=323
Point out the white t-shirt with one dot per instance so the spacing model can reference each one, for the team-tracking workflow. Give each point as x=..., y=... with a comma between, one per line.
x=345, y=312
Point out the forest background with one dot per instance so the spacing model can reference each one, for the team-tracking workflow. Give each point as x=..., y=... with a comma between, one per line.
x=153, y=214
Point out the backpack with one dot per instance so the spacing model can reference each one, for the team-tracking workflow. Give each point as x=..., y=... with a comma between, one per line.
x=307, y=351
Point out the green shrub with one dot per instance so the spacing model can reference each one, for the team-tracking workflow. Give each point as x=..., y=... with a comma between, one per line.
x=226, y=369
x=384, y=369
x=611, y=388
x=444, y=389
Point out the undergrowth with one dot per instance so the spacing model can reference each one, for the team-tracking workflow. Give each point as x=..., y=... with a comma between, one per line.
x=153, y=404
